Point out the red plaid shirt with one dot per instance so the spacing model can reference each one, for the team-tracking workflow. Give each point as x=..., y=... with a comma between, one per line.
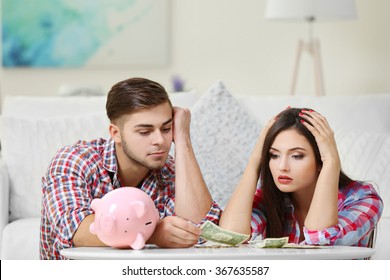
x=359, y=208
x=88, y=170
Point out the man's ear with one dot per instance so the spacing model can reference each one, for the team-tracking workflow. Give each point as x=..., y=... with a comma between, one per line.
x=115, y=132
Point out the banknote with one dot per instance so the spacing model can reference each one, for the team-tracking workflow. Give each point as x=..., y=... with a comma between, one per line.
x=298, y=246
x=213, y=244
x=269, y=242
x=211, y=231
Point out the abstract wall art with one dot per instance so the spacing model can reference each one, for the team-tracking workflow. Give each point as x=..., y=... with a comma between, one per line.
x=85, y=33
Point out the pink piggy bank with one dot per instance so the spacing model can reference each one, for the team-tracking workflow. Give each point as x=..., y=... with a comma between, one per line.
x=125, y=217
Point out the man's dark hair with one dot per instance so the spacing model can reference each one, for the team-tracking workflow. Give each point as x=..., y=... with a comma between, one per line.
x=132, y=95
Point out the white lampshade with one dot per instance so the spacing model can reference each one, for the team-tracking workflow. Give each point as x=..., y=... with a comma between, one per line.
x=310, y=9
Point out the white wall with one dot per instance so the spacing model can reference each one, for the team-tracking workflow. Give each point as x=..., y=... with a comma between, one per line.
x=231, y=40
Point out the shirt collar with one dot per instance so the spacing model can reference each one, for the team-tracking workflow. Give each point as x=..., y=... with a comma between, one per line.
x=166, y=173
x=109, y=156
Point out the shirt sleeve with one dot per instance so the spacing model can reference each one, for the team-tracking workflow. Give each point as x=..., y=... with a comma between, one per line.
x=213, y=215
x=66, y=196
x=358, y=215
x=258, y=221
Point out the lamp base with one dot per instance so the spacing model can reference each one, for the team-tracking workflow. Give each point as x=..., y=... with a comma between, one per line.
x=313, y=48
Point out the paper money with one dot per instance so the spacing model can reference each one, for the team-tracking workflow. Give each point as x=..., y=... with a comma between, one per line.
x=211, y=231
x=269, y=242
x=213, y=244
x=297, y=246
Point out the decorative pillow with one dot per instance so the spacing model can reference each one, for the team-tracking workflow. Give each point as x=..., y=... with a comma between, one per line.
x=28, y=146
x=223, y=136
x=365, y=157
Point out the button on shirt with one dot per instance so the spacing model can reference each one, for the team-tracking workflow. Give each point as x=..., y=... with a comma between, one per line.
x=359, y=210
x=88, y=170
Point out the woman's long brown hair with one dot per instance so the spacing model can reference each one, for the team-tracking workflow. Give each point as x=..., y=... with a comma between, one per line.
x=273, y=198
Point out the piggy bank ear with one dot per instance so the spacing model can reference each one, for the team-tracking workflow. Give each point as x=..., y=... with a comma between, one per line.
x=94, y=204
x=107, y=223
x=139, y=242
x=92, y=228
x=139, y=208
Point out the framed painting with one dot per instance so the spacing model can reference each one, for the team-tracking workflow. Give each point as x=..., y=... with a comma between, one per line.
x=83, y=33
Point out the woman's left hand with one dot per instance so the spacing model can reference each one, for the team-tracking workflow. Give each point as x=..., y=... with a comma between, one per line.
x=326, y=191
x=323, y=134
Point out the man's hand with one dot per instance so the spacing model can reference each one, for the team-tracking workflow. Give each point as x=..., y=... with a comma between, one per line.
x=175, y=232
x=181, y=123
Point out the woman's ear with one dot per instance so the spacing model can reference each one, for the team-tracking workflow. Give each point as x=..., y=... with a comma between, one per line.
x=115, y=132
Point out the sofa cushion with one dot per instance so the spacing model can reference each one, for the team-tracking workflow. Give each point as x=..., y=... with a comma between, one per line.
x=223, y=135
x=184, y=98
x=28, y=146
x=33, y=107
x=361, y=112
x=21, y=240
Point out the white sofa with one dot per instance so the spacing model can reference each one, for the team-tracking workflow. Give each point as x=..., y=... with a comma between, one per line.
x=224, y=129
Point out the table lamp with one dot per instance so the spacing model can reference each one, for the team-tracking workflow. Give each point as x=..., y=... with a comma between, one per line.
x=310, y=11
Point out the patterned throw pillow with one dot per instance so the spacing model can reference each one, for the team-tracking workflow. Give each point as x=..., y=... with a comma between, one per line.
x=223, y=135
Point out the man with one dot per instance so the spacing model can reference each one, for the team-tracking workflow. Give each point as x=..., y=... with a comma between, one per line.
x=143, y=125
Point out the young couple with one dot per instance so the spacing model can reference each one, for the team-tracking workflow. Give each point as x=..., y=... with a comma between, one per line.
x=293, y=184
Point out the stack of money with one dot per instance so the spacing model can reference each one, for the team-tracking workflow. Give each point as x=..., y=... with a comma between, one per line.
x=212, y=232
x=269, y=242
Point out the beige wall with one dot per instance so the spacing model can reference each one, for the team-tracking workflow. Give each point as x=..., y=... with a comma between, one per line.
x=230, y=40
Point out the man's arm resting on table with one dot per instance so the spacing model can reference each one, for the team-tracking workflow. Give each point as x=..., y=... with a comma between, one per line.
x=192, y=198
x=83, y=237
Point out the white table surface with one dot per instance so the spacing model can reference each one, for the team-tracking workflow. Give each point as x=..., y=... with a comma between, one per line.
x=151, y=252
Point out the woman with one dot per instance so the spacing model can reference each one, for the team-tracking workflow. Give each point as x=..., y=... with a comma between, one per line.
x=304, y=194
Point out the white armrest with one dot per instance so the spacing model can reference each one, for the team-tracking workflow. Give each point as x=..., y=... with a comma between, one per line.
x=4, y=198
